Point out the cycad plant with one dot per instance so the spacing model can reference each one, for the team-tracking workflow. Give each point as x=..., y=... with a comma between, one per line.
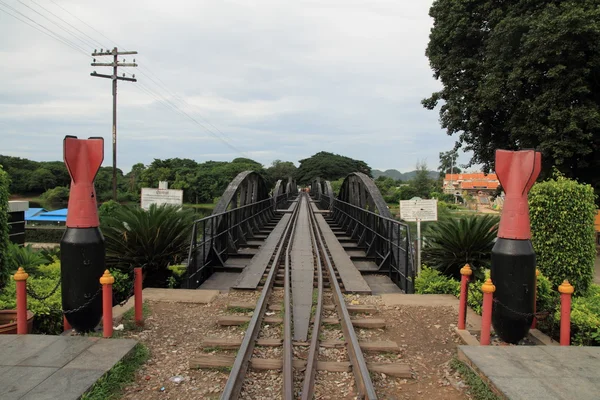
x=153, y=239
x=25, y=257
x=454, y=242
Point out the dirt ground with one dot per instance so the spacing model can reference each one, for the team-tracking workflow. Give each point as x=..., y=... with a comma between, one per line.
x=174, y=334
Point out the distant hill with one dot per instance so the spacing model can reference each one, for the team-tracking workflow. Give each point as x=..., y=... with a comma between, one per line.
x=395, y=174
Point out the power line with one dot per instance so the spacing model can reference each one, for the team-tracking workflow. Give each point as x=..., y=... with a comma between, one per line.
x=163, y=99
x=83, y=22
x=49, y=33
x=66, y=22
x=60, y=26
x=164, y=86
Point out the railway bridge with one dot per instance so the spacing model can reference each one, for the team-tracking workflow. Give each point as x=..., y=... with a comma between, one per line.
x=235, y=246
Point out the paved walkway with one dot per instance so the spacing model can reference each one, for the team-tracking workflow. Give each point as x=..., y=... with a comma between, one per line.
x=538, y=372
x=40, y=367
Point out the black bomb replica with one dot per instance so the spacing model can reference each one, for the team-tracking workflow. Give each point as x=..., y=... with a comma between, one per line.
x=82, y=252
x=513, y=258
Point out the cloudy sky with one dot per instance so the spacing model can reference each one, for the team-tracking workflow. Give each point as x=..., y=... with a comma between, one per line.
x=265, y=79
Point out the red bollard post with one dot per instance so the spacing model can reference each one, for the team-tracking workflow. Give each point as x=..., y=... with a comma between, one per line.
x=488, y=290
x=107, y=281
x=566, y=290
x=137, y=291
x=534, y=322
x=464, y=294
x=21, y=281
x=66, y=325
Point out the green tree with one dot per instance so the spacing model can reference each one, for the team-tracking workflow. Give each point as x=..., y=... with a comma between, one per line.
x=520, y=74
x=41, y=180
x=328, y=166
x=422, y=183
x=56, y=197
x=4, y=242
x=448, y=163
x=280, y=170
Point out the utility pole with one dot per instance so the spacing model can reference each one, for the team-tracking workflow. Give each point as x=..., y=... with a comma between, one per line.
x=115, y=64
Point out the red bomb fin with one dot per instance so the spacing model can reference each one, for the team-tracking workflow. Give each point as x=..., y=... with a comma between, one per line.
x=74, y=149
x=517, y=172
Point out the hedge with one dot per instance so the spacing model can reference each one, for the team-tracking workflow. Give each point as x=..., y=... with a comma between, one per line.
x=4, y=241
x=562, y=231
x=43, y=235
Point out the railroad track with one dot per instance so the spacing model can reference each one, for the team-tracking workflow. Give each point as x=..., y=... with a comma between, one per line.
x=335, y=313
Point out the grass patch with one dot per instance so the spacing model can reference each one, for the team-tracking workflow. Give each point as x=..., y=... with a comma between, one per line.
x=111, y=384
x=477, y=387
x=244, y=326
x=332, y=326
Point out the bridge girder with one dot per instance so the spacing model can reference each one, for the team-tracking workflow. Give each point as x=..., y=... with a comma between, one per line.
x=360, y=190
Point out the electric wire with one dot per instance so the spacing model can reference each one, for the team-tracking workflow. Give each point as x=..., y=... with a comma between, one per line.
x=164, y=100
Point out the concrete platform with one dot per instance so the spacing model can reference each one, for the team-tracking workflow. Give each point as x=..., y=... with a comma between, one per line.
x=44, y=367
x=537, y=372
x=220, y=281
x=197, y=296
x=381, y=284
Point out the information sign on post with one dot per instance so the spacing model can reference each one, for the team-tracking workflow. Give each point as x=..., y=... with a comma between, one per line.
x=161, y=196
x=418, y=210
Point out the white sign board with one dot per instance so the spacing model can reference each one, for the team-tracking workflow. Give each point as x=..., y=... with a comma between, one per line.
x=423, y=210
x=161, y=196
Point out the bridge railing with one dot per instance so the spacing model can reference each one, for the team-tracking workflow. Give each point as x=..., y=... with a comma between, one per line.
x=215, y=236
x=385, y=239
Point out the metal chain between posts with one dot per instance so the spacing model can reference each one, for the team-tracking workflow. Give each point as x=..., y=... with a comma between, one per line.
x=42, y=298
x=85, y=305
x=536, y=314
x=131, y=290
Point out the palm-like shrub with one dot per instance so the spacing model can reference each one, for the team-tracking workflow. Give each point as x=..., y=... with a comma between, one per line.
x=451, y=243
x=25, y=257
x=153, y=239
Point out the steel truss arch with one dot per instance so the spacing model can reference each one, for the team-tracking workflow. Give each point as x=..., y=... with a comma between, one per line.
x=241, y=212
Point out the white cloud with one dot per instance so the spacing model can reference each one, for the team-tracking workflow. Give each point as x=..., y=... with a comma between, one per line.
x=278, y=80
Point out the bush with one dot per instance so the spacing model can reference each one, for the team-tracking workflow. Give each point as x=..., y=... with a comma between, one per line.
x=451, y=243
x=585, y=318
x=175, y=279
x=59, y=196
x=154, y=239
x=48, y=313
x=562, y=227
x=432, y=282
x=44, y=235
x=107, y=208
x=4, y=241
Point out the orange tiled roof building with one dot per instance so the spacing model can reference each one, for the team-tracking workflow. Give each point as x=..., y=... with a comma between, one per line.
x=472, y=183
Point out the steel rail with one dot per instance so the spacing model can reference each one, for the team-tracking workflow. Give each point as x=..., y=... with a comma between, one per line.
x=234, y=383
x=288, y=350
x=313, y=352
x=359, y=366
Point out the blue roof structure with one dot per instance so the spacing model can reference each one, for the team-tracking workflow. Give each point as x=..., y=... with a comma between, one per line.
x=32, y=212
x=50, y=216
